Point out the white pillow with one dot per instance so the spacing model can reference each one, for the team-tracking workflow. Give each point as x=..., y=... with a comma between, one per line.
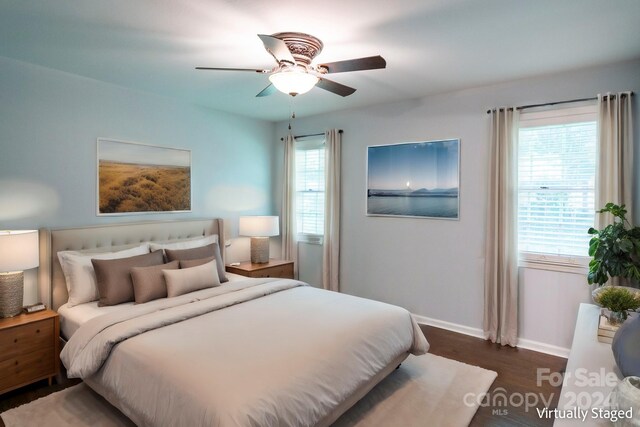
x=185, y=244
x=80, y=276
x=191, y=279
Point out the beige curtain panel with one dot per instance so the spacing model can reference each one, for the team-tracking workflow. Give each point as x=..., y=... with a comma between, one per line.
x=615, y=154
x=501, y=246
x=331, y=245
x=289, y=232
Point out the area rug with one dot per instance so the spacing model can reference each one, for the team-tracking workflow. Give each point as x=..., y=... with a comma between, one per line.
x=425, y=390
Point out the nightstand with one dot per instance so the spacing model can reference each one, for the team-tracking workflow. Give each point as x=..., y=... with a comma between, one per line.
x=273, y=268
x=30, y=349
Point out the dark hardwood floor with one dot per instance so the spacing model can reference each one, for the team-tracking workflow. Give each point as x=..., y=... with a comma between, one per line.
x=516, y=370
x=517, y=377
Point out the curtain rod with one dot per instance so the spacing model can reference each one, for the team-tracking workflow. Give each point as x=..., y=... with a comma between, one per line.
x=548, y=104
x=311, y=134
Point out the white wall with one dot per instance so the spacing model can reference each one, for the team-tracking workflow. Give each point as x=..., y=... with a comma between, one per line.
x=310, y=263
x=434, y=268
x=49, y=122
x=549, y=303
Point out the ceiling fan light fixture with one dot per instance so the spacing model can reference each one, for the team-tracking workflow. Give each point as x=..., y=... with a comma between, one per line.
x=293, y=81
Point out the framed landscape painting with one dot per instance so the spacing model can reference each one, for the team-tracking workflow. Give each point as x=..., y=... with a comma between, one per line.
x=414, y=179
x=140, y=178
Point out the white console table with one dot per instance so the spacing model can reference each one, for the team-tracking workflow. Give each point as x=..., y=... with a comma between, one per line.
x=591, y=371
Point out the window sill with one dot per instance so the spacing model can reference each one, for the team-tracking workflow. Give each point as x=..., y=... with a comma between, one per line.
x=573, y=265
x=311, y=239
x=573, y=269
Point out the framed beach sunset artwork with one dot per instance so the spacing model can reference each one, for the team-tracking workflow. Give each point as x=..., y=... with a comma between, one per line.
x=414, y=179
x=141, y=178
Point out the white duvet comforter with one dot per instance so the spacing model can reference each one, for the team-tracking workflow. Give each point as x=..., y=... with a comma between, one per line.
x=260, y=352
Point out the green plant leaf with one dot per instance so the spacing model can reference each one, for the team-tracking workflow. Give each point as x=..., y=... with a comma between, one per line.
x=615, y=250
x=633, y=272
x=625, y=245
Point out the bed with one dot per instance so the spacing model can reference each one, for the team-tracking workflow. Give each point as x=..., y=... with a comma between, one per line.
x=251, y=352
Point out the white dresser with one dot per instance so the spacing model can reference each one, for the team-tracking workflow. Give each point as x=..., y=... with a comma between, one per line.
x=591, y=371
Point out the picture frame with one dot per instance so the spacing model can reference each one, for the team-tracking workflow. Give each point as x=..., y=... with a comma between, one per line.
x=414, y=179
x=136, y=178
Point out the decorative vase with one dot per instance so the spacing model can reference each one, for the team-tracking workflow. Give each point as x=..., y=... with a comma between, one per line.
x=626, y=397
x=616, y=317
x=626, y=347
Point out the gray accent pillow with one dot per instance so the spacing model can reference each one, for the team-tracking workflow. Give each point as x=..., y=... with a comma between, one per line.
x=113, y=276
x=188, y=263
x=191, y=279
x=212, y=250
x=148, y=282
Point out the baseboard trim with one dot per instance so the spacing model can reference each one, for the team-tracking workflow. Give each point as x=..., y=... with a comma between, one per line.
x=478, y=333
x=541, y=347
x=455, y=327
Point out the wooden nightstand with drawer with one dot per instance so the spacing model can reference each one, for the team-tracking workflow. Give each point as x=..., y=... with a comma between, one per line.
x=29, y=347
x=273, y=268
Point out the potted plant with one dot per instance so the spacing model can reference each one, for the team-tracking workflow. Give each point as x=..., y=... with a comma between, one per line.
x=619, y=301
x=615, y=250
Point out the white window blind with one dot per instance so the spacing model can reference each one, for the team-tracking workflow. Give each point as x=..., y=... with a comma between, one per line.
x=556, y=184
x=310, y=157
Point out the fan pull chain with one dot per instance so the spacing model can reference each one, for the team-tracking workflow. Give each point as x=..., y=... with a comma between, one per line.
x=292, y=113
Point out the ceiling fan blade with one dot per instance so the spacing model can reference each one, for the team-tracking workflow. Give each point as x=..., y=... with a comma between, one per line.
x=359, y=64
x=277, y=48
x=267, y=91
x=233, y=69
x=337, y=88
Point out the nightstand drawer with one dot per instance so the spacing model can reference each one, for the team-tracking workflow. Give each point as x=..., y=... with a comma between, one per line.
x=25, y=368
x=284, y=271
x=273, y=268
x=26, y=339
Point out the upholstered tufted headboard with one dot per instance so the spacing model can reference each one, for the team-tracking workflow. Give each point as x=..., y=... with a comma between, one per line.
x=51, y=282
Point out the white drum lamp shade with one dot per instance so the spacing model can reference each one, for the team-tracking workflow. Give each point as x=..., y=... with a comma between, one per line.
x=18, y=252
x=259, y=228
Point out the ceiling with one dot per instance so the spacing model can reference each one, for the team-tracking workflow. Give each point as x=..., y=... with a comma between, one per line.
x=431, y=46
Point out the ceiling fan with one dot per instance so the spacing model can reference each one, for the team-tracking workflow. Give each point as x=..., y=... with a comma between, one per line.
x=295, y=74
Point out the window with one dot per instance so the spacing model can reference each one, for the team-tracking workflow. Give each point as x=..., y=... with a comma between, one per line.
x=556, y=187
x=310, y=190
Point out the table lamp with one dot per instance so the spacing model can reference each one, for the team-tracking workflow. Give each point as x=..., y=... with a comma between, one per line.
x=18, y=252
x=259, y=228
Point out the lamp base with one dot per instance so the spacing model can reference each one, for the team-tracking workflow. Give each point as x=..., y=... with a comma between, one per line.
x=259, y=250
x=11, y=291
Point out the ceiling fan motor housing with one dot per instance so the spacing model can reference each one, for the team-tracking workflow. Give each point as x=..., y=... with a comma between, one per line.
x=303, y=47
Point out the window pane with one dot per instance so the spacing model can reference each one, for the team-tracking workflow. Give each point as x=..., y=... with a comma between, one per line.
x=310, y=191
x=556, y=188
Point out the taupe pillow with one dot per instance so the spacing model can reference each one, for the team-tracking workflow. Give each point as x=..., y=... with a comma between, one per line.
x=148, y=282
x=188, y=263
x=192, y=253
x=113, y=276
x=212, y=250
x=191, y=279
x=80, y=276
